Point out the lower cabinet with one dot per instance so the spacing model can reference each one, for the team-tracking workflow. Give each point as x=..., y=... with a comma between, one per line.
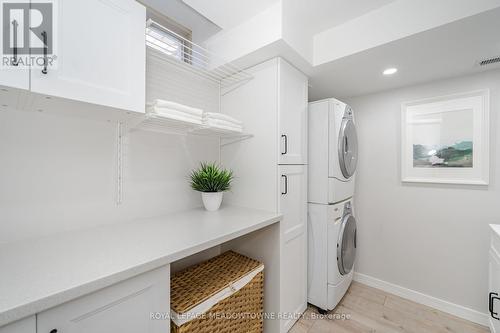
x=140, y=304
x=293, y=206
x=494, y=284
x=26, y=325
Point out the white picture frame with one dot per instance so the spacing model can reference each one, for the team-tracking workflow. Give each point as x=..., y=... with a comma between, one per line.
x=446, y=139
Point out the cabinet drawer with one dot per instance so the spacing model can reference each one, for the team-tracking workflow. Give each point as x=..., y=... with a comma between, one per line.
x=140, y=304
x=26, y=325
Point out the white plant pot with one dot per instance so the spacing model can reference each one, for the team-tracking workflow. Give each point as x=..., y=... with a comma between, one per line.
x=212, y=200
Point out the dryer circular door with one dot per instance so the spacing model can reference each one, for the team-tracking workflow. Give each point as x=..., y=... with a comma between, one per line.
x=346, y=246
x=348, y=148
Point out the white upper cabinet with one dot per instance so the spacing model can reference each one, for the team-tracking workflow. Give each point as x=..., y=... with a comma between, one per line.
x=100, y=50
x=14, y=76
x=292, y=114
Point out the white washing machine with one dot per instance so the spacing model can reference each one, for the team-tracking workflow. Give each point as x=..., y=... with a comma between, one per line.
x=331, y=252
x=332, y=151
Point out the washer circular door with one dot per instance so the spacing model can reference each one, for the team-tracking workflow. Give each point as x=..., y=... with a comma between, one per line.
x=348, y=148
x=346, y=246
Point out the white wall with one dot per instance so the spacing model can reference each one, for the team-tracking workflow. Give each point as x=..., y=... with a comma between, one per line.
x=59, y=173
x=263, y=29
x=296, y=30
x=378, y=27
x=433, y=239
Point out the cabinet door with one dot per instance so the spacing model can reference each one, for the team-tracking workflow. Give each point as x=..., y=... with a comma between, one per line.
x=141, y=304
x=293, y=205
x=14, y=76
x=27, y=325
x=292, y=115
x=100, y=54
x=494, y=287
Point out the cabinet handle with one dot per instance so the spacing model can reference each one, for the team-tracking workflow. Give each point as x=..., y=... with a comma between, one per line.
x=286, y=184
x=492, y=298
x=45, y=59
x=53, y=331
x=14, y=27
x=283, y=136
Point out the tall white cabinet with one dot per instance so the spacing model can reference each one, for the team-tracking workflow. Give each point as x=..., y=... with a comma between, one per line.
x=271, y=167
x=292, y=114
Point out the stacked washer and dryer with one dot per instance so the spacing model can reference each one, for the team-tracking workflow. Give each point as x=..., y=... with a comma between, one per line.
x=333, y=147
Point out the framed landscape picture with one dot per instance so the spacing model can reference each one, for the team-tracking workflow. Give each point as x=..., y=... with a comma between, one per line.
x=446, y=139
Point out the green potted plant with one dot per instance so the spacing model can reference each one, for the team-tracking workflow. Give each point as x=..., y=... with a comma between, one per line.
x=212, y=181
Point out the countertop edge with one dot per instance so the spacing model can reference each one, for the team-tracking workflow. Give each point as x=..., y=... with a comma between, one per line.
x=26, y=310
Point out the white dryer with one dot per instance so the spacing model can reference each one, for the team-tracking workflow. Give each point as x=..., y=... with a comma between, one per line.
x=333, y=151
x=331, y=252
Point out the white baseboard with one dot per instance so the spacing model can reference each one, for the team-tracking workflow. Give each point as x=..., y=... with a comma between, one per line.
x=433, y=302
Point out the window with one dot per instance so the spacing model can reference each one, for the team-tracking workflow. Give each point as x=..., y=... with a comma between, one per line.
x=167, y=36
x=164, y=41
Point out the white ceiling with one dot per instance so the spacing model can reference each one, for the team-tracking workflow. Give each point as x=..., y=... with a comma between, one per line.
x=319, y=15
x=229, y=13
x=447, y=51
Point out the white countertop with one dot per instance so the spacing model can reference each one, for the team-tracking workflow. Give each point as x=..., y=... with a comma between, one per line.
x=36, y=275
x=496, y=228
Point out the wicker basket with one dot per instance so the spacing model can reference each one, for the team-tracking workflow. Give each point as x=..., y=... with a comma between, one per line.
x=224, y=295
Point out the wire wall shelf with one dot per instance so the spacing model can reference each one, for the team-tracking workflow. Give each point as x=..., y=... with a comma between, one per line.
x=156, y=123
x=174, y=48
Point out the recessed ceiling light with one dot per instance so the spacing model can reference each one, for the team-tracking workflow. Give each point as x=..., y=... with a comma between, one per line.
x=390, y=71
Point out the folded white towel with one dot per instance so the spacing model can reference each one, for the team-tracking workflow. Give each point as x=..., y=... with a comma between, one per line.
x=227, y=129
x=231, y=128
x=175, y=115
x=176, y=106
x=221, y=116
x=218, y=122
